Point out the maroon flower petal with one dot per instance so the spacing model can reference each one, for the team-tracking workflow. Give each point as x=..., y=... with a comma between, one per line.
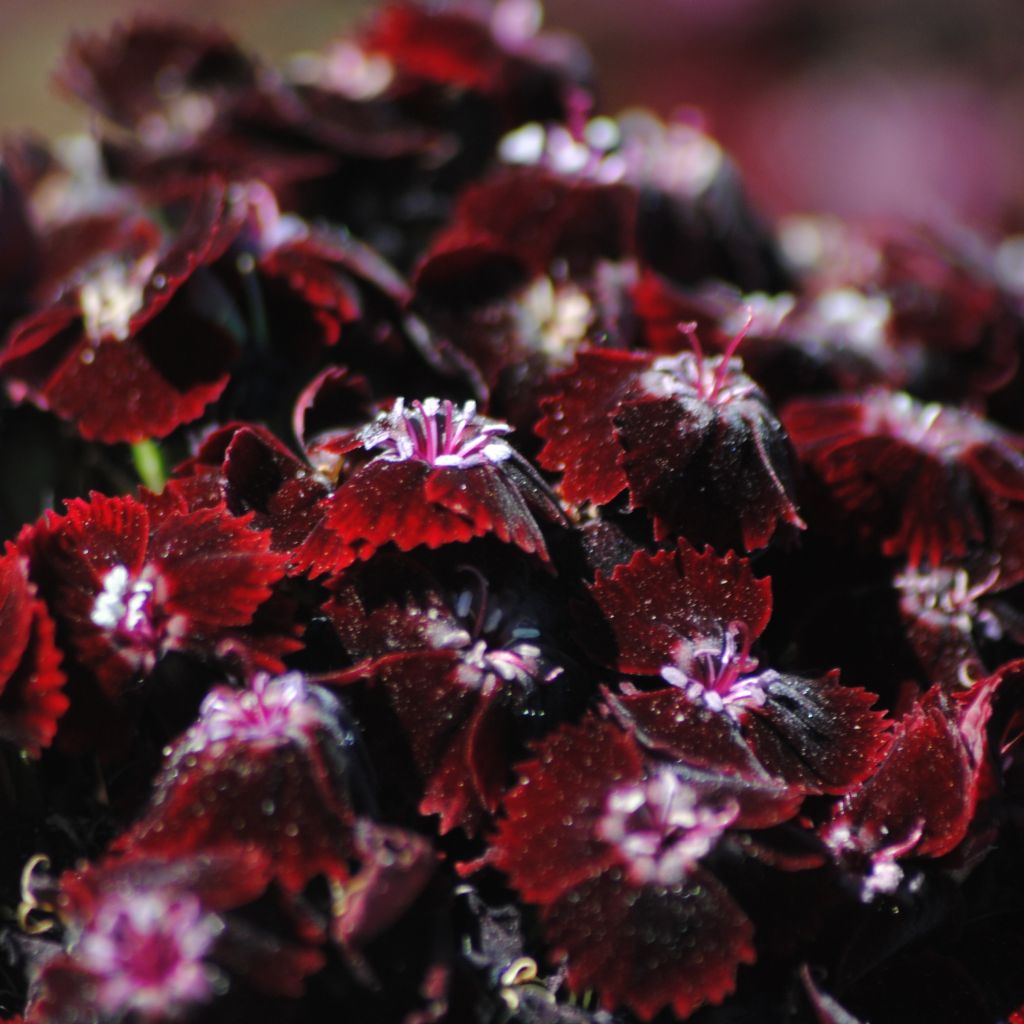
x=919, y=478
x=546, y=842
x=817, y=733
x=142, y=68
x=141, y=399
x=924, y=792
x=32, y=695
x=577, y=426
x=687, y=462
x=218, y=570
x=658, y=947
x=262, y=767
x=445, y=476
x=131, y=325
x=723, y=765
x=695, y=441
x=656, y=602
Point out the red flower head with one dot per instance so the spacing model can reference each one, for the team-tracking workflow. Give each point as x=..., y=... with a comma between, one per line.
x=693, y=439
x=922, y=799
x=153, y=941
x=925, y=481
x=691, y=618
x=264, y=766
x=31, y=682
x=438, y=474
x=128, y=585
x=613, y=847
x=125, y=348
x=465, y=666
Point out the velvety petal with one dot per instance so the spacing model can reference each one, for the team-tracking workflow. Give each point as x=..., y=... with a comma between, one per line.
x=657, y=601
x=411, y=503
x=720, y=473
x=32, y=697
x=577, y=427
x=218, y=570
x=547, y=842
x=710, y=754
x=671, y=723
x=925, y=786
x=273, y=781
x=817, y=733
x=538, y=217
x=918, y=478
x=120, y=74
x=651, y=948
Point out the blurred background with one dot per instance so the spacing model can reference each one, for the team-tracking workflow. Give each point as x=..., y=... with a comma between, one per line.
x=862, y=107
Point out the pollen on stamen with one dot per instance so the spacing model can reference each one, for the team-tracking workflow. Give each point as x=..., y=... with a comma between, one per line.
x=438, y=433
x=661, y=827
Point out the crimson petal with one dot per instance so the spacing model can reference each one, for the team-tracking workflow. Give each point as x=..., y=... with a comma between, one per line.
x=655, y=602
x=658, y=947
x=32, y=695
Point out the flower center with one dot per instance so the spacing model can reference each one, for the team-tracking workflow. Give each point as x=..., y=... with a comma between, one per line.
x=661, y=828
x=496, y=638
x=285, y=708
x=558, y=318
x=717, y=380
x=129, y=609
x=929, y=426
x=718, y=673
x=109, y=299
x=438, y=434
x=146, y=951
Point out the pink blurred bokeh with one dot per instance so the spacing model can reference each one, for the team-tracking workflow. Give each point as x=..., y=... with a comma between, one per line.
x=862, y=107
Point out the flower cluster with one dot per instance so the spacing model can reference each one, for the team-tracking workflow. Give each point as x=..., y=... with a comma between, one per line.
x=552, y=593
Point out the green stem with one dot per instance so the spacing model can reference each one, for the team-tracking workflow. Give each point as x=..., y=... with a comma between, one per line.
x=149, y=464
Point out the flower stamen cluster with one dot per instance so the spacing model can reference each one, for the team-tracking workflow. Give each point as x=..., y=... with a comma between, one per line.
x=661, y=827
x=438, y=433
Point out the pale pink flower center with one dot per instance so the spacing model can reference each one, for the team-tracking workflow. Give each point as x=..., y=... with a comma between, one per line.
x=437, y=433
x=719, y=673
x=661, y=828
x=146, y=951
x=129, y=609
x=285, y=708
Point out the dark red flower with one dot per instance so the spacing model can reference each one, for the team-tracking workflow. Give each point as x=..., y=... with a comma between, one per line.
x=465, y=666
x=922, y=799
x=692, y=618
x=154, y=940
x=127, y=348
x=438, y=474
x=156, y=76
x=951, y=615
x=263, y=766
x=693, y=439
x=128, y=585
x=612, y=848
x=924, y=481
x=247, y=468
x=463, y=46
x=31, y=681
